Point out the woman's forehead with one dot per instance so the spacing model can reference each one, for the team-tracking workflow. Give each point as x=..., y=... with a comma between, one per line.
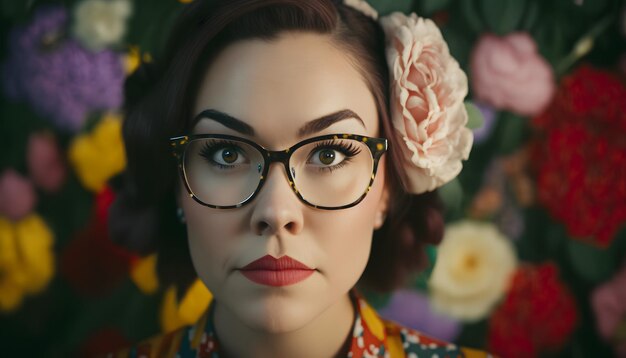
x=278, y=86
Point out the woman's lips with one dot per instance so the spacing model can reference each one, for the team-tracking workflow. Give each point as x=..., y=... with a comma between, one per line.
x=277, y=278
x=270, y=271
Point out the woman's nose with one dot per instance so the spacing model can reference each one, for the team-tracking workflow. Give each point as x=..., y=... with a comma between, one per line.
x=277, y=210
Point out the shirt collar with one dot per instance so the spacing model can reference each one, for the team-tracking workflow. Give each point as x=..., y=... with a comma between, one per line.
x=368, y=333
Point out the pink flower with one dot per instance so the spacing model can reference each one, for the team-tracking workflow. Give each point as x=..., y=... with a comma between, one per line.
x=427, y=110
x=609, y=304
x=45, y=163
x=17, y=196
x=509, y=73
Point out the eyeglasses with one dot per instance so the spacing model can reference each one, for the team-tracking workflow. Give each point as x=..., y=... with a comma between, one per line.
x=329, y=172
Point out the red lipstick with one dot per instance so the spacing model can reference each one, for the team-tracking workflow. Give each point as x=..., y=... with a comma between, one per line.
x=275, y=272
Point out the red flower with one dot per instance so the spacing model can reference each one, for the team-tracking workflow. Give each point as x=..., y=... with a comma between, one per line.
x=580, y=155
x=103, y=202
x=92, y=263
x=537, y=315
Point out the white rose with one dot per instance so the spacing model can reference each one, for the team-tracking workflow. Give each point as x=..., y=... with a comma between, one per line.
x=474, y=265
x=100, y=23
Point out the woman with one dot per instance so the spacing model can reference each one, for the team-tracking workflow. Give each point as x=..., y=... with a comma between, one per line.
x=287, y=177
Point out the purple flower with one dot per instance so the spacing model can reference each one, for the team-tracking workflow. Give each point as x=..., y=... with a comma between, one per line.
x=489, y=115
x=412, y=309
x=60, y=79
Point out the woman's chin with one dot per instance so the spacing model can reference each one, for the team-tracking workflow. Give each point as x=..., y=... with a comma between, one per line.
x=275, y=315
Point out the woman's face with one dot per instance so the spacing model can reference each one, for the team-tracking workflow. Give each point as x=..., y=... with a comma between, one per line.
x=276, y=87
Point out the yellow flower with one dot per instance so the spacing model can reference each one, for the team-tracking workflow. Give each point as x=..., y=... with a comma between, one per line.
x=98, y=156
x=194, y=303
x=37, y=260
x=133, y=59
x=10, y=286
x=472, y=272
x=26, y=259
x=144, y=274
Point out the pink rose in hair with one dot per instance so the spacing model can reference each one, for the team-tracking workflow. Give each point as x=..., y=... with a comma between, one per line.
x=45, y=163
x=17, y=196
x=508, y=73
x=427, y=92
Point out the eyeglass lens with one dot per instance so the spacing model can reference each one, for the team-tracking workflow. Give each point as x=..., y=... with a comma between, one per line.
x=329, y=173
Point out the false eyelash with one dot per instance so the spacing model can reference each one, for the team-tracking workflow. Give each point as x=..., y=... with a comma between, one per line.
x=211, y=146
x=349, y=150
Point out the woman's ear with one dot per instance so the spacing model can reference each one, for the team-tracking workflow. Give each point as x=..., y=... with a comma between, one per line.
x=381, y=211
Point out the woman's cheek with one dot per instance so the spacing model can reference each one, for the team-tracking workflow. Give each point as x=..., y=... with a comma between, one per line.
x=211, y=236
x=345, y=238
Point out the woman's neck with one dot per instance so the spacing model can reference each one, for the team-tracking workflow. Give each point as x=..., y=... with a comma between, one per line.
x=327, y=335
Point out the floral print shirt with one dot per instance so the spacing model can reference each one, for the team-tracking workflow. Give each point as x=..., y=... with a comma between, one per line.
x=372, y=337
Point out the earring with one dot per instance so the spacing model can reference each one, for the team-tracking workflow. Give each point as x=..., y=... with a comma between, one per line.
x=181, y=215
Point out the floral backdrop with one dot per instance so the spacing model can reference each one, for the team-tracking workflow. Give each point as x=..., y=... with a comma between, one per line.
x=533, y=261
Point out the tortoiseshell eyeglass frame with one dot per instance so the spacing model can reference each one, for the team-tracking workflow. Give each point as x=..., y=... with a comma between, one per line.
x=377, y=146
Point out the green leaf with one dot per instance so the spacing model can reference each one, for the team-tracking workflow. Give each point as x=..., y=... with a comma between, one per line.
x=385, y=7
x=91, y=315
x=475, y=117
x=67, y=210
x=452, y=195
x=429, y=7
x=17, y=123
x=421, y=280
x=141, y=318
x=590, y=8
x=502, y=16
x=555, y=239
x=591, y=263
x=550, y=41
x=511, y=132
x=14, y=9
x=149, y=28
x=458, y=43
x=470, y=12
x=532, y=15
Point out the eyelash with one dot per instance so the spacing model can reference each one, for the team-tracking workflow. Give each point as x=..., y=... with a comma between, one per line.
x=212, y=146
x=349, y=150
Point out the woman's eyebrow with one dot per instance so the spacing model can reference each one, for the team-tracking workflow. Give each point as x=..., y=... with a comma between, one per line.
x=321, y=123
x=226, y=120
x=309, y=128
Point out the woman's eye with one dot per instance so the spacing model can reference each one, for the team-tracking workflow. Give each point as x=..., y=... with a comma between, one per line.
x=226, y=156
x=327, y=157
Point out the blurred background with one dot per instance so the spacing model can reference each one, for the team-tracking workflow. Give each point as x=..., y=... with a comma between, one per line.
x=533, y=260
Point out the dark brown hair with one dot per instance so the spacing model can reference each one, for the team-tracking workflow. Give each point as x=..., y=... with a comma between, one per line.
x=158, y=104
